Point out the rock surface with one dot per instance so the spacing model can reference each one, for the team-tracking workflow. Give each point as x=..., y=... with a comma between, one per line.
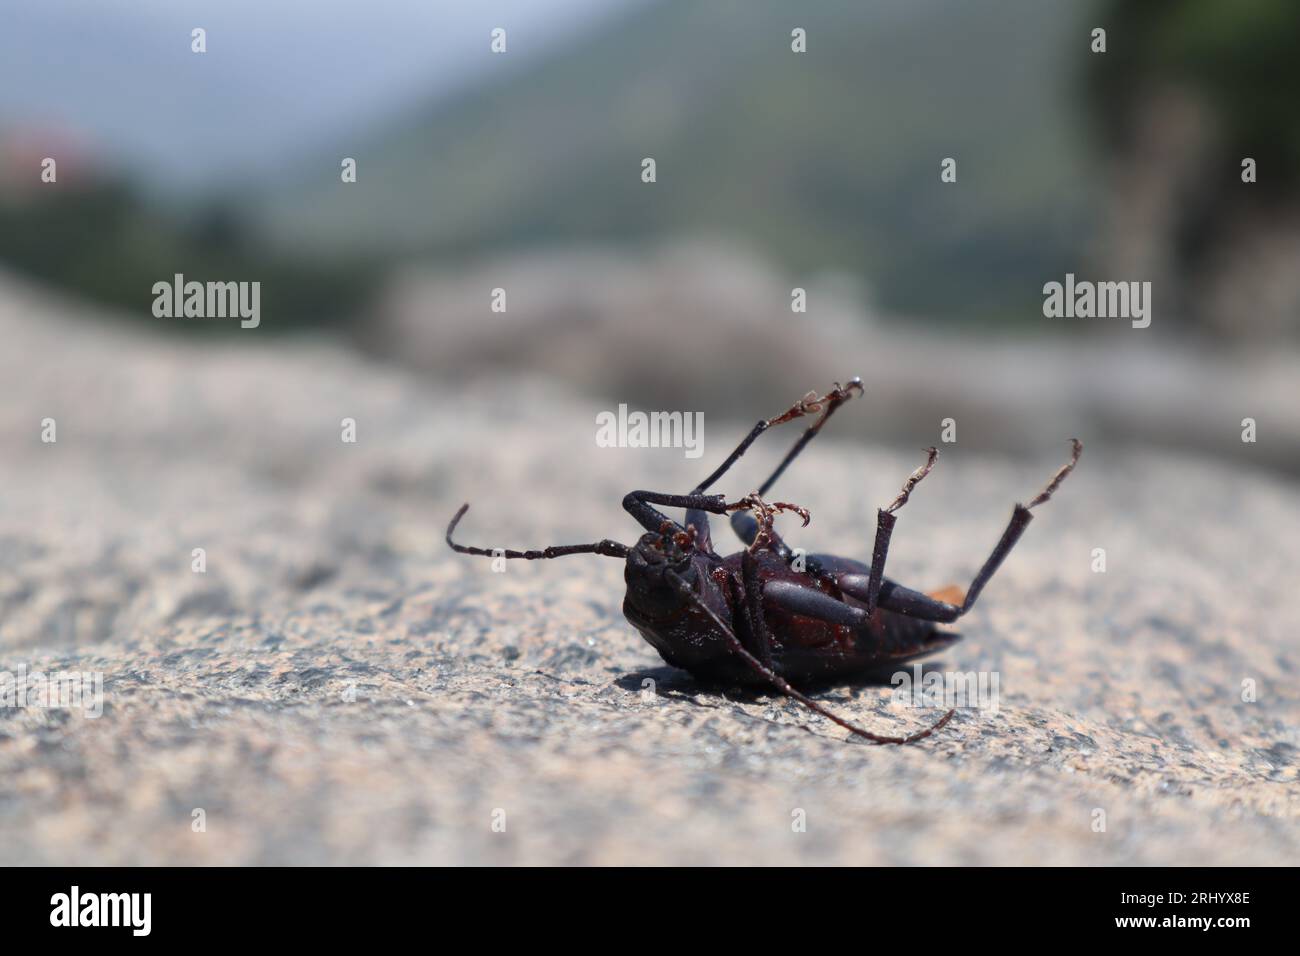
x=338, y=688
x=655, y=329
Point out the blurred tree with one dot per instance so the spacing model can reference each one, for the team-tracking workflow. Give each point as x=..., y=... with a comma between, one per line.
x=1185, y=93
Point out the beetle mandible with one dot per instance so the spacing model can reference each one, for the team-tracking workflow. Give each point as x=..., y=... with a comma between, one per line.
x=768, y=616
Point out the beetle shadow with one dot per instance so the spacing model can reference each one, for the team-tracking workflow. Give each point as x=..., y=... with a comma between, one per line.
x=674, y=682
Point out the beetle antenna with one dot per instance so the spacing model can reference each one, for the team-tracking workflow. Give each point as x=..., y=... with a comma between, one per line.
x=779, y=682
x=606, y=547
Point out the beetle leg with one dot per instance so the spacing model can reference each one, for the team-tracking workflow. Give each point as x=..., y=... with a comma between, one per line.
x=639, y=504
x=832, y=401
x=810, y=602
x=810, y=403
x=780, y=683
x=885, y=529
x=892, y=597
x=753, y=605
x=763, y=534
x=895, y=597
x=746, y=528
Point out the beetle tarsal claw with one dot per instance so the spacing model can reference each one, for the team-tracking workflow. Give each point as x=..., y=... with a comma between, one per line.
x=786, y=506
x=842, y=393
x=766, y=511
x=1076, y=449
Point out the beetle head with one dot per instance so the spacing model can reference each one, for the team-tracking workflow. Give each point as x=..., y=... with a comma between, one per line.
x=651, y=565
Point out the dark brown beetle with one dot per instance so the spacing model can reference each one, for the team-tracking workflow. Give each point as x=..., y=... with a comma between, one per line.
x=770, y=616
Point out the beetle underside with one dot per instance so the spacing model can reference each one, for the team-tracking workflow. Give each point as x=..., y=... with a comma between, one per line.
x=769, y=615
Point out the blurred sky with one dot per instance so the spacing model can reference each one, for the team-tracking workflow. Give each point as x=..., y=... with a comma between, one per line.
x=278, y=74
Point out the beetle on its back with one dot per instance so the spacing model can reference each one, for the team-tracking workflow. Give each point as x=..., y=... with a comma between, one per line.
x=767, y=616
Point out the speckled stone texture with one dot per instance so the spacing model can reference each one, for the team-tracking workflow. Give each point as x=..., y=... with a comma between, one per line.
x=339, y=688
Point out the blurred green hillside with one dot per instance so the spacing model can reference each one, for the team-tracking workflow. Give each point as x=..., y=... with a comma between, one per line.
x=824, y=160
x=106, y=242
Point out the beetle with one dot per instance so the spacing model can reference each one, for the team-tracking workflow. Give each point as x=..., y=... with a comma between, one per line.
x=769, y=616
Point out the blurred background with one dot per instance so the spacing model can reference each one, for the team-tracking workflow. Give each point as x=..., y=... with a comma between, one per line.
x=775, y=170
